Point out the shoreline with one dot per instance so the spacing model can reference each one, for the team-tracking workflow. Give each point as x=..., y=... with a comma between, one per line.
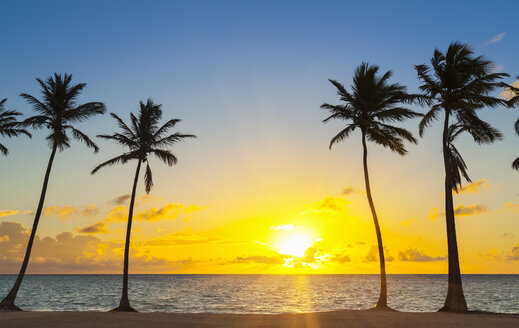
x=345, y=318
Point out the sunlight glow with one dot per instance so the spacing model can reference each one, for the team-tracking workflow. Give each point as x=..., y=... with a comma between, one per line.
x=295, y=244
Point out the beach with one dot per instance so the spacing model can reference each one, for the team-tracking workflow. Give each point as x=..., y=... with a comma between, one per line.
x=350, y=319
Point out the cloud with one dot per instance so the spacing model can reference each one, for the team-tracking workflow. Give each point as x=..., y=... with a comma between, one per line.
x=340, y=258
x=512, y=207
x=286, y=227
x=351, y=190
x=120, y=200
x=408, y=222
x=507, y=235
x=99, y=227
x=514, y=254
x=508, y=93
x=462, y=210
x=474, y=187
x=414, y=255
x=372, y=255
x=118, y=213
x=124, y=199
x=68, y=211
x=8, y=212
x=330, y=204
x=71, y=254
x=495, y=39
x=433, y=214
x=168, y=212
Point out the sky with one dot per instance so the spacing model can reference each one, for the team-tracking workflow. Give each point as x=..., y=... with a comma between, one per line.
x=258, y=191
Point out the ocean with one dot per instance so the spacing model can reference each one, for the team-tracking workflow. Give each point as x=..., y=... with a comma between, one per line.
x=258, y=293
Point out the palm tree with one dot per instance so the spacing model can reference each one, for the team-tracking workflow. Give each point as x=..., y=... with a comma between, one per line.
x=9, y=127
x=56, y=112
x=371, y=106
x=458, y=84
x=142, y=138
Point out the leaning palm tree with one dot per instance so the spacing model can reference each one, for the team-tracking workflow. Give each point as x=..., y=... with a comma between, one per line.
x=371, y=106
x=9, y=126
x=458, y=84
x=142, y=138
x=57, y=111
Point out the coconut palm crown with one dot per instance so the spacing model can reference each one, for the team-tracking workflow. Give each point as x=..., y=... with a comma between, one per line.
x=9, y=126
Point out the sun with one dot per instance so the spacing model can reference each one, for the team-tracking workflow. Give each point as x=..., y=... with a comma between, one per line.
x=294, y=244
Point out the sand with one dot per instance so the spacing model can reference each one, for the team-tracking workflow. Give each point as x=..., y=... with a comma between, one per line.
x=353, y=319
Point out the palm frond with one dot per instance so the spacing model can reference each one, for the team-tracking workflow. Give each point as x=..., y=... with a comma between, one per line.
x=148, y=179
x=77, y=134
x=116, y=160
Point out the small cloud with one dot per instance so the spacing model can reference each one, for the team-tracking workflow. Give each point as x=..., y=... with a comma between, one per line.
x=168, y=211
x=351, y=190
x=120, y=200
x=8, y=212
x=512, y=207
x=514, y=254
x=495, y=39
x=462, y=210
x=474, y=187
x=286, y=227
x=508, y=93
x=68, y=211
x=330, y=204
x=507, y=235
x=433, y=214
x=99, y=227
x=414, y=255
x=408, y=222
x=372, y=255
x=340, y=258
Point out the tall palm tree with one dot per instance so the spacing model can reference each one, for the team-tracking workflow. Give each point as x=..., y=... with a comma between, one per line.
x=142, y=138
x=57, y=111
x=9, y=126
x=371, y=106
x=458, y=84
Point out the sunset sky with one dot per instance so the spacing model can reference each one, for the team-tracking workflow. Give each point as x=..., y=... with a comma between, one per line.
x=258, y=191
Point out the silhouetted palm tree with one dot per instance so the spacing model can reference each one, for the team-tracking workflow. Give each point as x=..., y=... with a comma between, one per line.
x=371, y=106
x=9, y=126
x=458, y=84
x=56, y=112
x=144, y=137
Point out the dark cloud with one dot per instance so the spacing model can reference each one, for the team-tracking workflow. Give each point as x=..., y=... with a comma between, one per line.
x=372, y=255
x=121, y=200
x=99, y=227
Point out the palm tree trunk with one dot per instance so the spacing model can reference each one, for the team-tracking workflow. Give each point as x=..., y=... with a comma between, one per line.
x=7, y=303
x=124, y=305
x=455, y=301
x=382, y=300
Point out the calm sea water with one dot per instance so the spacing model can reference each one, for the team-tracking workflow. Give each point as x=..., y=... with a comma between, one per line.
x=258, y=293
